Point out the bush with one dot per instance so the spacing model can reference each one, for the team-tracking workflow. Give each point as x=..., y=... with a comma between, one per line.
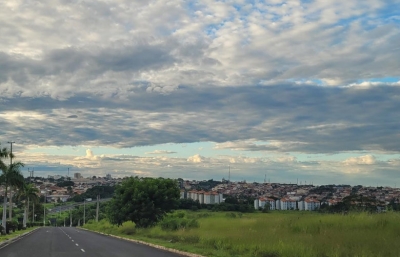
x=20, y=226
x=231, y=215
x=172, y=223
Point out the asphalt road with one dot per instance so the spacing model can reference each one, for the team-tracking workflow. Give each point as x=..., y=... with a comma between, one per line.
x=73, y=242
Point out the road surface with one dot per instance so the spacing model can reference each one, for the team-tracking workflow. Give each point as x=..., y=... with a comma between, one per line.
x=73, y=242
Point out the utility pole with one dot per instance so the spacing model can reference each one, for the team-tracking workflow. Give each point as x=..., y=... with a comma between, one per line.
x=70, y=218
x=97, y=208
x=229, y=175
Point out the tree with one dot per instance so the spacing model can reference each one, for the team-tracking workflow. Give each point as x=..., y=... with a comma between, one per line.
x=28, y=192
x=65, y=183
x=4, y=153
x=11, y=176
x=145, y=201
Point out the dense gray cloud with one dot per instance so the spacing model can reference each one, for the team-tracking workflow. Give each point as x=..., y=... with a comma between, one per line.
x=288, y=118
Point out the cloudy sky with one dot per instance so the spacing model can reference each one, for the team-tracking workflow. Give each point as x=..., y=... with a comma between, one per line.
x=305, y=90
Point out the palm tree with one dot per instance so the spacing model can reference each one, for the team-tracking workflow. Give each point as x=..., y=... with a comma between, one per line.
x=29, y=192
x=11, y=176
x=4, y=153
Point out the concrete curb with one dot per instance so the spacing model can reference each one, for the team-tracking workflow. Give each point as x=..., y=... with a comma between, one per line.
x=148, y=244
x=12, y=240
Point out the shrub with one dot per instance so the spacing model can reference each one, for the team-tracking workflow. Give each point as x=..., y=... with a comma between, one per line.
x=172, y=223
x=230, y=215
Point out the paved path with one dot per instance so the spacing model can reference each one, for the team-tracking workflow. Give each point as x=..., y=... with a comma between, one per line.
x=73, y=242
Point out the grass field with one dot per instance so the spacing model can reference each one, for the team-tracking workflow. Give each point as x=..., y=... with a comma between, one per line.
x=276, y=234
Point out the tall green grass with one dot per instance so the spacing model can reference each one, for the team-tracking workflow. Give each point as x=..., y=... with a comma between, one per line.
x=277, y=234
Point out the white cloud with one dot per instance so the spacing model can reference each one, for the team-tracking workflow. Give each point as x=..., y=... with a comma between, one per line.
x=197, y=158
x=161, y=152
x=89, y=154
x=363, y=160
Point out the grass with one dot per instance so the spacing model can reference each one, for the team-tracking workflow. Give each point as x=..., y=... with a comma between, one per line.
x=276, y=234
x=15, y=234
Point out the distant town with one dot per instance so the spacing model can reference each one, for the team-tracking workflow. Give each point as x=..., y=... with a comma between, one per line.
x=274, y=196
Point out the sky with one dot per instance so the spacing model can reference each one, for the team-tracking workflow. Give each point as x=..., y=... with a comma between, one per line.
x=296, y=91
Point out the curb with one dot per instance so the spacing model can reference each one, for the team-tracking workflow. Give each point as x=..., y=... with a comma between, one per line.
x=149, y=244
x=12, y=240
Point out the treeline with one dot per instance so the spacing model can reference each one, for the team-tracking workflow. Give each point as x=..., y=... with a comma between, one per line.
x=358, y=203
x=103, y=191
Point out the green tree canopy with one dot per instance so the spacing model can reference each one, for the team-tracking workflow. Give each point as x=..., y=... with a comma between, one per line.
x=145, y=201
x=10, y=176
x=65, y=183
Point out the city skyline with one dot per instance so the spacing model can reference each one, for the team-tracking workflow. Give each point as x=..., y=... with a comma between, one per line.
x=304, y=90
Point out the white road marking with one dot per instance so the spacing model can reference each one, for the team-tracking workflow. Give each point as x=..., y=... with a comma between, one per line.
x=82, y=250
x=72, y=240
x=77, y=245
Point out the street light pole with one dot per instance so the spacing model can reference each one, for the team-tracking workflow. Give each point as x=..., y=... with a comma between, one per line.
x=11, y=143
x=70, y=218
x=33, y=212
x=84, y=211
x=44, y=215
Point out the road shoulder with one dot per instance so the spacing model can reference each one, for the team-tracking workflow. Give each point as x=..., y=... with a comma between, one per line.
x=148, y=244
x=16, y=238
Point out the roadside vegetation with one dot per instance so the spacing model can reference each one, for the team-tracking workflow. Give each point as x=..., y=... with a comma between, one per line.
x=20, y=202
x=275, y=234
x=15, y=234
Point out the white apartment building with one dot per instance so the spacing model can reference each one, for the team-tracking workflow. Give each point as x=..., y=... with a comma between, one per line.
x=311, y=204
x=203, y=197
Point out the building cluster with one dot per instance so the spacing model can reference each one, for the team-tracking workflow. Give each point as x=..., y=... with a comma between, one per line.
x=308, y=204
x=202, y=196
x=278, y=196
x=48, y=187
